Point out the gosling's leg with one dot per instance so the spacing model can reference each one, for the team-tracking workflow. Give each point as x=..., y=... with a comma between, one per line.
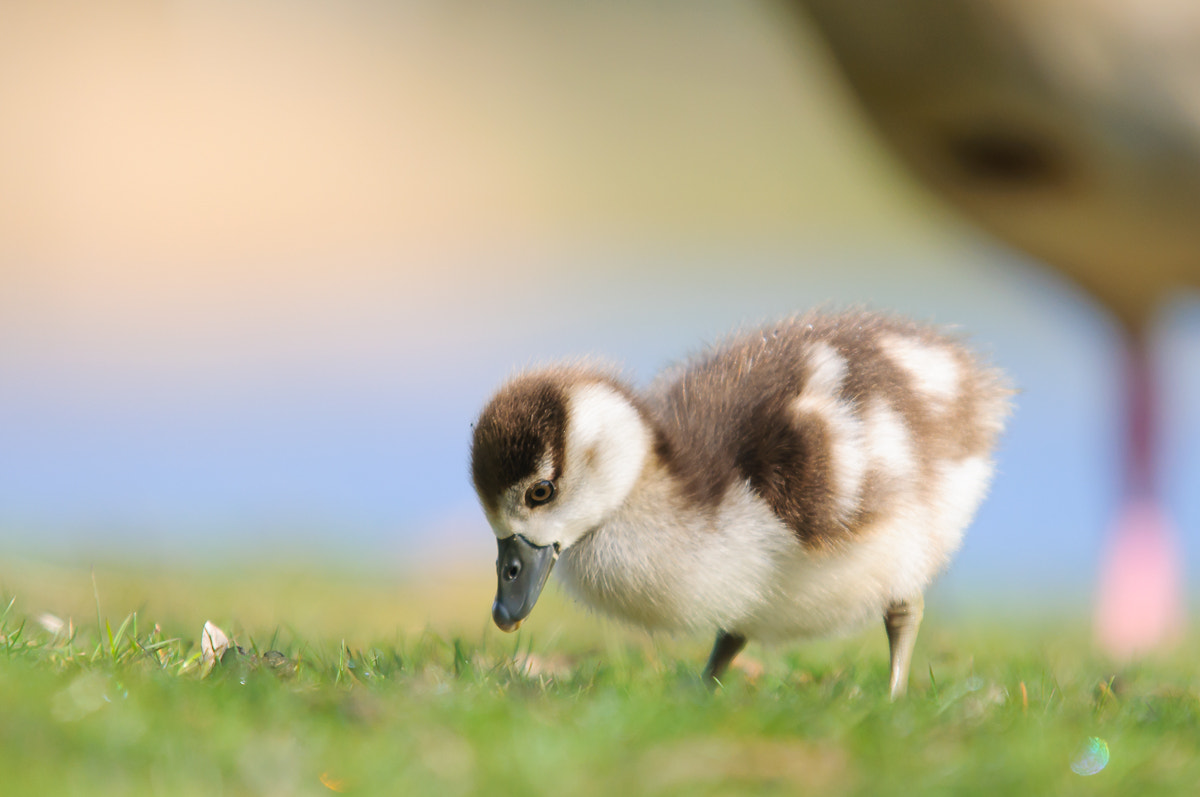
x=724, y=649
x=902, y=620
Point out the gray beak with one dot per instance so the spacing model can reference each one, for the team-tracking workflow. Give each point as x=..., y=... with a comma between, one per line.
x=521, y=571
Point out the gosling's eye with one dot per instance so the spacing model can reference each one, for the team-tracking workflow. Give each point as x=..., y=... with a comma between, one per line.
x=539, y=493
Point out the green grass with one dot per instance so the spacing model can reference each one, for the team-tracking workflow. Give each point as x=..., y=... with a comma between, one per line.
x=123, y=704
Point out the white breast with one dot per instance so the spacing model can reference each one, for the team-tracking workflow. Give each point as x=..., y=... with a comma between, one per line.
x=666, y=567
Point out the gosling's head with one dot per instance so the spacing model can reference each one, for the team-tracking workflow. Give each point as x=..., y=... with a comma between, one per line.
x=554, y=453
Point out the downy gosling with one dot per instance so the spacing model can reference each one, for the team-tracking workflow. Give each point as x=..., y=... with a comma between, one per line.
x=796, y=480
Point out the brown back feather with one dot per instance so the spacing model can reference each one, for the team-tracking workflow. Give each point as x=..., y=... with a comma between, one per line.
x=729, y=414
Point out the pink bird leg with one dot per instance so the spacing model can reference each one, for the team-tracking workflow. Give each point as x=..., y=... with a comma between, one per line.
x=1140, y=604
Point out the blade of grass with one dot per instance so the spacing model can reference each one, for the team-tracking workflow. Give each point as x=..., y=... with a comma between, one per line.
x=114, y=640
x=7, y=609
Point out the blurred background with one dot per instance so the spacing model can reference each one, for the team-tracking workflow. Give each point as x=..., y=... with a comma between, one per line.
x=262, y=262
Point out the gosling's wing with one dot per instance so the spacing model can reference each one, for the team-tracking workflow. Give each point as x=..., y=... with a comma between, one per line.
x=835, y=421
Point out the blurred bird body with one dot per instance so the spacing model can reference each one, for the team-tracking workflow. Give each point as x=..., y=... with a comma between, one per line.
x=797, y=480
x=1070, y=128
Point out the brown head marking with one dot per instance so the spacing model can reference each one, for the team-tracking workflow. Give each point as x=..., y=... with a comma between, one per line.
x=521, y=424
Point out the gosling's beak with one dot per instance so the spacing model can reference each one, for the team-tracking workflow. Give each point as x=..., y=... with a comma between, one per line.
x=521, y=569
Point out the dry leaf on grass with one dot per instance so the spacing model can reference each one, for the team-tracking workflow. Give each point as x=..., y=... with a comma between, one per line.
x=213, y=644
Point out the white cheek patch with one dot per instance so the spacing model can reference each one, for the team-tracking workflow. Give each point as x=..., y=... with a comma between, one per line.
x=607, y=436
x=597, y=413
x=607, y=443
x=934, y=370
x=847, y=452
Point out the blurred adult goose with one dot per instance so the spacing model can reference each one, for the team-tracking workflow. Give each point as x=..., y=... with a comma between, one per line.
x=797, y=480
x=1070, y=128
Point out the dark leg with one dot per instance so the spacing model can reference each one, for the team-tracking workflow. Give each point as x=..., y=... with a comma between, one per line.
x=902, y=620
x=724, y=649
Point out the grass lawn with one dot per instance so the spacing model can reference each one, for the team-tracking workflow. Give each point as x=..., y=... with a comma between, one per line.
x=360, y=684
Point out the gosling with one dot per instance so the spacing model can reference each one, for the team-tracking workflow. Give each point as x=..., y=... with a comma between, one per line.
x=797, y=480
